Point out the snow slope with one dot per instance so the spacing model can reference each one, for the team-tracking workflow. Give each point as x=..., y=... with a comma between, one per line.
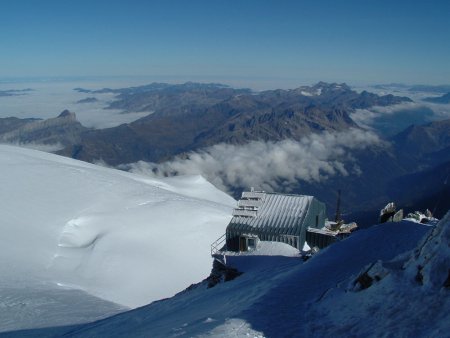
x=276, y=296
x=411, y=298
x=127, y=239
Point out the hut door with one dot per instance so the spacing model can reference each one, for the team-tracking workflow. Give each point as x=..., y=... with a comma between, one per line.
x=242, y=244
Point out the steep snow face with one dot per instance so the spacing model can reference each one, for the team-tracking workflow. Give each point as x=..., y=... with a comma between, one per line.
x=431, y=260
x=116, y=235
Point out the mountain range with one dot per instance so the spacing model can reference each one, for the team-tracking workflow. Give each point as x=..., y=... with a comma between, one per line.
x=189, y=117
x=192, y=116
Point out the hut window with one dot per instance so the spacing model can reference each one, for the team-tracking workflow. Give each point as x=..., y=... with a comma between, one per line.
x=317, y=221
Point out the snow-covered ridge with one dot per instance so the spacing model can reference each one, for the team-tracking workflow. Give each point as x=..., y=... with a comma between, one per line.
x=431, y=260
x=119, y=236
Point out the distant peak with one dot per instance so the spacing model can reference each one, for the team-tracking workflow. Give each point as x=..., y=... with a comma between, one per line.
x=331, y=86
x=67, y=113
x=321, y=84
x=67, y=116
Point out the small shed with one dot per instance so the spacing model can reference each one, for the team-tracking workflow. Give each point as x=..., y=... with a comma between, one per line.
x=262, y=216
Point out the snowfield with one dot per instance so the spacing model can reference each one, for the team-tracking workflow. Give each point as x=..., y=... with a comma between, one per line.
x=281, y=296
x=70, y=229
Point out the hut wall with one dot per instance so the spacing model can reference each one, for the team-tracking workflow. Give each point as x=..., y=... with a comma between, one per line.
x=319, y=240
x=315, y=218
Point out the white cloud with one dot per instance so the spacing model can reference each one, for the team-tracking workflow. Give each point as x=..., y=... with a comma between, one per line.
x=433, y=112
x=269, y=165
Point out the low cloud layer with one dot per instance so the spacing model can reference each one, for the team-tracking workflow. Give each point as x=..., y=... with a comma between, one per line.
x=422, y=111
x=48, y=99
x=367, y=118
x=269, y=165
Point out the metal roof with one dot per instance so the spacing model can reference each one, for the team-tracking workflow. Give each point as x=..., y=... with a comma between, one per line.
x=270, y=212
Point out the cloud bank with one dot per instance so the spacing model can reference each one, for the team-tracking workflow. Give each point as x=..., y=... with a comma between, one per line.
x=269, y=165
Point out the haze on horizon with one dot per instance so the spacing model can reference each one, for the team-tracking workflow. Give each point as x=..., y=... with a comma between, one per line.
x=296, y=41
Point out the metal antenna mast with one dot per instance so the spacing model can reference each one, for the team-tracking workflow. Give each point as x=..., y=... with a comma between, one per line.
x=337, y=218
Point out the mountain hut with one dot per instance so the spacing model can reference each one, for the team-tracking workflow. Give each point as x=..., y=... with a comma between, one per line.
x=262, y=216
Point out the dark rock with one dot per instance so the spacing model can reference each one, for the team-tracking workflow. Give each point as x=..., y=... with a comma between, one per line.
x=419, y=275
x=221, y=273
x=447, y=281
x=364, y=281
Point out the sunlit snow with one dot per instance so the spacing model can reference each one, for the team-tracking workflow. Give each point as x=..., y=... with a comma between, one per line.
x=118, y=236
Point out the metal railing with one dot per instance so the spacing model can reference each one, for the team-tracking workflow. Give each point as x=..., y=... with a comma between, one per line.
x=218, y=244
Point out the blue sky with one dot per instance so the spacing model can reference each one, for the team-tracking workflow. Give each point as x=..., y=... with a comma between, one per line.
x=305, y=41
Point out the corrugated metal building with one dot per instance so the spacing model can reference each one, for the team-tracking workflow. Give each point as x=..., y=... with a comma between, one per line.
x=273, y=217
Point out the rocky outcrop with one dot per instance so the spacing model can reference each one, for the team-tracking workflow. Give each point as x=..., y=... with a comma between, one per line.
x=428, y=266
x=64, y=130
x=221, y=273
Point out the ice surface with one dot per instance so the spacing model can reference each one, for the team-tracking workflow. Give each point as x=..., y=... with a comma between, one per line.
x=112, y=234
